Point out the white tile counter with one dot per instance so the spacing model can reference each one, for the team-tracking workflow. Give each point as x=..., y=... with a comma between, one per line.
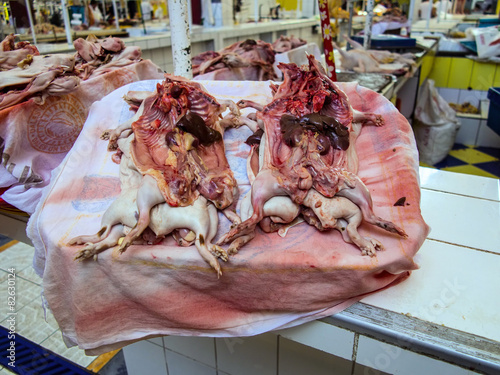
x=442, y=320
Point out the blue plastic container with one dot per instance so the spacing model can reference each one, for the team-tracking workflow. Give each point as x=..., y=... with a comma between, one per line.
x=487, y=22
x=494, y=111
x=387, y=41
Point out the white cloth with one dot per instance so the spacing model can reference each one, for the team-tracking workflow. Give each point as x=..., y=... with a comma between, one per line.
x=271, y=283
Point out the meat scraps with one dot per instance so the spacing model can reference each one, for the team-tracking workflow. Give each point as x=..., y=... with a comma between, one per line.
x=286, y=43
x=374, y=61
x=307, y=155
x=249, y=60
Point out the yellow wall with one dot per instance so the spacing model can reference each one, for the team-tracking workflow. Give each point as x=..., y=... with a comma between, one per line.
x=463, y=73
x=290, y=4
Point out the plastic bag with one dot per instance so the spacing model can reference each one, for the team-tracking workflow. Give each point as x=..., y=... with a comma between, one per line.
x=436, y=125
x=487, y=41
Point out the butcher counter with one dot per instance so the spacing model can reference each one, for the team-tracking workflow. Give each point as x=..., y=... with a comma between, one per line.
x=443, y=319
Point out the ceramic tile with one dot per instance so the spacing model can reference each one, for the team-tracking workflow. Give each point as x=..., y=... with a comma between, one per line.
x=248, y=355
x=157, y=340
x=29, y=274
x=4, y=275
x=450, y=95
x=19, y=256
x=322, y=336
x=447, y=290
x=394, y=360
x=466, y=221
x=470, y=170
x=31, y=323
x=471, y=96
x=201, y=349
x=456, y=183
x=153, y=43
x=469, y=128
x=56, y=344
x=178, y=364
x=298, y=359
x=487, y=137
x=144, y=357
x=25, y=292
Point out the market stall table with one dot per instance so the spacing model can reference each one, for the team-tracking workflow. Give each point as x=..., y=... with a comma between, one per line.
x=443, y=319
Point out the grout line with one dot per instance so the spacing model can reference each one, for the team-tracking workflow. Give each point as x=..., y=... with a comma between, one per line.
x=278, y=355
x=215, y=355
x=354, y=352
x=464, y=246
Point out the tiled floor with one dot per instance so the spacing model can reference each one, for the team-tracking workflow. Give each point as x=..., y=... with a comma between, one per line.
x=32, y=321
x=481, y=161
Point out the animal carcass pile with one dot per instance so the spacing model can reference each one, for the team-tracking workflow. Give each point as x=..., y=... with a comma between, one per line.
x=360, y=60
x=26, y=74
x=249, y=60
x=174, y=173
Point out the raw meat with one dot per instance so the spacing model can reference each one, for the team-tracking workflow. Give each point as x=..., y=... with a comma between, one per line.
x=249, y=60
x=310, y=128
x=175, y=166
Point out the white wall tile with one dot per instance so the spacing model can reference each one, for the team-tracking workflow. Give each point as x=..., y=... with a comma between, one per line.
x=471, y=96
x=180, y=365
x=298, y=359
x=322, y=336
x=248, y=355
x=469, y=128
x=201, y=349
x=450, y=95
x=144, y=357
x=459, y=183
x=482, y=233
x=487, y=137
x=157, y=341
x=394, y=360
x=447, y=291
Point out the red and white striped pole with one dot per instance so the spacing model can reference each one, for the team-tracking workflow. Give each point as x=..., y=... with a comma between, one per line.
x=326, y=29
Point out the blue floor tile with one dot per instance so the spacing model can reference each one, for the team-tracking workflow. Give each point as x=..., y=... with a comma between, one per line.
x=495, y=152
x=449, y=161
x=492, y=167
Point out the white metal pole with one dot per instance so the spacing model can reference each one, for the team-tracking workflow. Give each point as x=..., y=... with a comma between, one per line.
x=115, y=11
x=429, y=14
x=411, y=12
x=368, y=24
x=67, y=25
x=30, y=18
x=181, y=41
x=256, y=10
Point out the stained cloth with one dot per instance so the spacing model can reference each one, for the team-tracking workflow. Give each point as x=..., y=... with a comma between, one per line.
x=272, y=283
x=35, y=138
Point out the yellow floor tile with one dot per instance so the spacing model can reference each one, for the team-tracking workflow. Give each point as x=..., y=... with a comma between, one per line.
x=472, y=156
x=469, y=169
x=426, y=165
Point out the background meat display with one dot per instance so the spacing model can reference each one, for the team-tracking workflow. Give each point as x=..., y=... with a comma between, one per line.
x=249, y=60
x=44, y=104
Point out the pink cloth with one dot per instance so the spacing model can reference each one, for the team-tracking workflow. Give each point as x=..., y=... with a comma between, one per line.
x=271, y=283
x=34, y=138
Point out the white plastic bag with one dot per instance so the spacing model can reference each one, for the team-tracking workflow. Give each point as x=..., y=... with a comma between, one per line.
x=487, y=41
x=436, y=125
